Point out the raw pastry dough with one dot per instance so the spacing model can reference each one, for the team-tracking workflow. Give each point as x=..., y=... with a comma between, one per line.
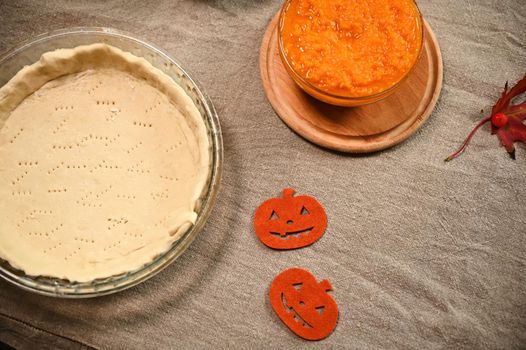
x=103, y=159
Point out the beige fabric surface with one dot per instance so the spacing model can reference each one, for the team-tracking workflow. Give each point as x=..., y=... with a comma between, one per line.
x=421, y=254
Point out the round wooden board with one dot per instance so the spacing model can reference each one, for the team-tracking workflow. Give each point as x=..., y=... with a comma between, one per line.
x=362, y=129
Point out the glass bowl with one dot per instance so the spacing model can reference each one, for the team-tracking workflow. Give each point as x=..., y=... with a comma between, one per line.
x=28, y=52
x=340, y=100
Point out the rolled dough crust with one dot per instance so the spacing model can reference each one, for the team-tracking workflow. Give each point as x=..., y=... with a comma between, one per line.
x=103, y=159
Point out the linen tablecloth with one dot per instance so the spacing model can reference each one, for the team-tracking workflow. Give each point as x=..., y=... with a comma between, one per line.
x=422, y=254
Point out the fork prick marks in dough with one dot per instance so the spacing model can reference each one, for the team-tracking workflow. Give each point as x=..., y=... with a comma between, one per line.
x=133, y=235
x=142, y=124
x=19, y=178
x=26, y=167
x=60, y=126
x=113, y=223
x=47, y=233
x=173, y=147
x=52, y=248
x=23, y=192
x=134, y=147
x=105, y=103
x=153, y=107
x=94, y=199
x=160, y=195
x=112, y=246
x=63, y=108
x=95, y=87
x=162, y=221
x=91, y=138
x=112, y=109
x=57, y=190
x=168, y=178
x=104, y=166
x=139, y=168
x=33, y=214
x=13, y=139
x=96, y=164
x=55, y=168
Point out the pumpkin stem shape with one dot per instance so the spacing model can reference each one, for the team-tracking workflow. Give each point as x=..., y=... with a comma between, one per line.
x=288, y=192
x=325, y=285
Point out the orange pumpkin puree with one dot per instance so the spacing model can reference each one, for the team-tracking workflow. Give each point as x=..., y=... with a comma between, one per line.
x=351, y=47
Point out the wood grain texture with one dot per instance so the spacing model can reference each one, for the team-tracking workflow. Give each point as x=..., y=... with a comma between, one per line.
x=362, y=129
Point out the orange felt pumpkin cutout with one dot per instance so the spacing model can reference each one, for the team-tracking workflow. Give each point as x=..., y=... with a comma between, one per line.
x=290, y=222
x=303, y=304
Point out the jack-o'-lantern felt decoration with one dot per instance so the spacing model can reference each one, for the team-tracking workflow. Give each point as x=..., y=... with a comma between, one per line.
x=303, y=304
x=290, y=222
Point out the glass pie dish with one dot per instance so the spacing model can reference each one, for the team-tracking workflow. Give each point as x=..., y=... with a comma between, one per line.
x=28, y=52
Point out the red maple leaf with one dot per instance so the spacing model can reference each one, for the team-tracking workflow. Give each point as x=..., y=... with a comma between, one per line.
x=506, y=120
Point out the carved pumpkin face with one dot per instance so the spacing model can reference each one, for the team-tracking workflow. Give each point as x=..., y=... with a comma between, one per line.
x=303, y=304
x=290, y=222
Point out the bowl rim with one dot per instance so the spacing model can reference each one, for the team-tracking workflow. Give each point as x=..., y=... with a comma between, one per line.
x=298, y=78
x=117, y=283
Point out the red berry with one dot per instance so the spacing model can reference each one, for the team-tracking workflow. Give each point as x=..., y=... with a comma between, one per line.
x=499, y=120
